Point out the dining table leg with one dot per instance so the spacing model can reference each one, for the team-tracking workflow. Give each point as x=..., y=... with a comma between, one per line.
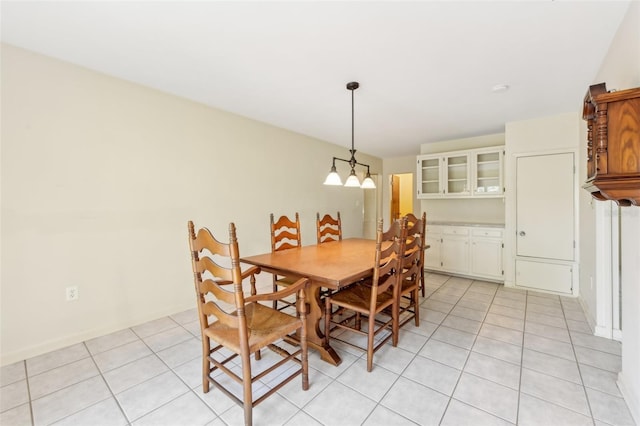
x=315, y=335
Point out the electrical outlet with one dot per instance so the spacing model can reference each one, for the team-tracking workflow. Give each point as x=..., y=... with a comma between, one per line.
x=72, y=293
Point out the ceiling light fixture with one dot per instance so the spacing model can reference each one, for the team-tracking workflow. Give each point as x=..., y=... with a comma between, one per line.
x=352, y=181
x=500, y=88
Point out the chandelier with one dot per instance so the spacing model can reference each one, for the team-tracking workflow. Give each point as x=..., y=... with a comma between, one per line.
x=352, y=181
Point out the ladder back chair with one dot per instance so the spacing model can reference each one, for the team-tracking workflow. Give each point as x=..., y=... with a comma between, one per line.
x=376, y=299
x=417, y=226
x=410, y=282
x=235, y=325
x=285, y=235
x=328, y=228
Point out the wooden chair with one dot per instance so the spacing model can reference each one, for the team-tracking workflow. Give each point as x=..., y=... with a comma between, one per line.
x=328, y=228
x=285, y=235
x=417, y=226
x=410, y=281
x=369, y=301
x=239, y=325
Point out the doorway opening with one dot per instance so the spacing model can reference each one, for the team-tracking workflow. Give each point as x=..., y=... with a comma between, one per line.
x=401, y=195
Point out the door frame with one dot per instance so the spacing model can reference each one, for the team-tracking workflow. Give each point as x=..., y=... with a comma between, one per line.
x=409, y=177
x=608, y=322
x=511, y=215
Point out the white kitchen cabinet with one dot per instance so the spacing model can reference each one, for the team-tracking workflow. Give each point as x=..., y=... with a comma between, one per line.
x=486, y=253
x=454, y=253
x=487, y=172
x=473, y=251
x=456, y=174
x=433, y=239
x=474, y=173
x=429, y=175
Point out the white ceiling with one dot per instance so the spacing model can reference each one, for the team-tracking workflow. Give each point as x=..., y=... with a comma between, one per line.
x=426, y=69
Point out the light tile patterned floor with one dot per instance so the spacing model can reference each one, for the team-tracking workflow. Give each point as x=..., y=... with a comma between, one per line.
x=483, y=355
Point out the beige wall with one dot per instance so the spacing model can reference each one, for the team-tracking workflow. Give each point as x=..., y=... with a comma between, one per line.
x=99, y=177
x=621, y=70
x=540, y=135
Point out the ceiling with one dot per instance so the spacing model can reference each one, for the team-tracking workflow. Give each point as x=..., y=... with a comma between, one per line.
x=426, y=69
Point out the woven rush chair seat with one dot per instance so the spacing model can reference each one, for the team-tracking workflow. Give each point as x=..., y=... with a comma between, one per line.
x=263, y=326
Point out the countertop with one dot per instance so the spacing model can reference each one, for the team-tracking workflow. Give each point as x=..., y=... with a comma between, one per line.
x=478, y=224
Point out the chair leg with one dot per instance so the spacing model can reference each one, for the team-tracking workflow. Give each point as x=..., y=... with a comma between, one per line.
x=247, y=392
x=416, y=306
x=303, y=344
x=275, y=288
x=371, y=327
x=327, y=320
x=206, y=352
x=395, y=323
x=422, y=281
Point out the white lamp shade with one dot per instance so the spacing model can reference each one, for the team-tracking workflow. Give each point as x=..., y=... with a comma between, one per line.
x=352, y=181
x=368, y=183
x=333, y=178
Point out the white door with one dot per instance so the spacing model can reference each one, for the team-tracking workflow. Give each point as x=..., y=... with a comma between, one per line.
x=545, y=206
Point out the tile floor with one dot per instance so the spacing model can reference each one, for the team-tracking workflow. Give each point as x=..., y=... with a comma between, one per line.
x=483, y=355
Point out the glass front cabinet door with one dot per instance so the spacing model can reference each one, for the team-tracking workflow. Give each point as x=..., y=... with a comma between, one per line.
x=456, y=169
x=487, y=179
x=429, y=176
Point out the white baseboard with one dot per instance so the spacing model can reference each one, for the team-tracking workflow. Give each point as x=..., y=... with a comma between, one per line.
x=62, y=342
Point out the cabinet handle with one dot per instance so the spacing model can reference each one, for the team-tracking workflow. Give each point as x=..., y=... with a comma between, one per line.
x=522, y=233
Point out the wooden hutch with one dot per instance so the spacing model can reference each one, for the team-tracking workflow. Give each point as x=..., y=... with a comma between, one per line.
x=613, y=144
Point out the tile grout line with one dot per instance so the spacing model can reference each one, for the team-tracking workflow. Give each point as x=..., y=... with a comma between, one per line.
x=524, y=331
x=462, y=370
x=26, y=378
x=412, y=359
x=107, y=384
x=169, y=370
x=573, y=349
x=399, y=375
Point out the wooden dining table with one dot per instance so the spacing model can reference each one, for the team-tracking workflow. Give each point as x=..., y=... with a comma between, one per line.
x=331, y=265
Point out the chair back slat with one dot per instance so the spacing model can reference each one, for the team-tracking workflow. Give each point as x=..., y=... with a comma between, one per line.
x=215, y=287
x=210, y=268
x=328, y=228
x=210, y=276
x=285, y=233
x=389, y=249
x=213, y=309
x=417, y=228
x=411, y=261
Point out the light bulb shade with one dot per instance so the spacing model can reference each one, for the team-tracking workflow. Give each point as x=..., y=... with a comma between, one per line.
x=368, y=183
x=352, y=180
x=333, y=178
